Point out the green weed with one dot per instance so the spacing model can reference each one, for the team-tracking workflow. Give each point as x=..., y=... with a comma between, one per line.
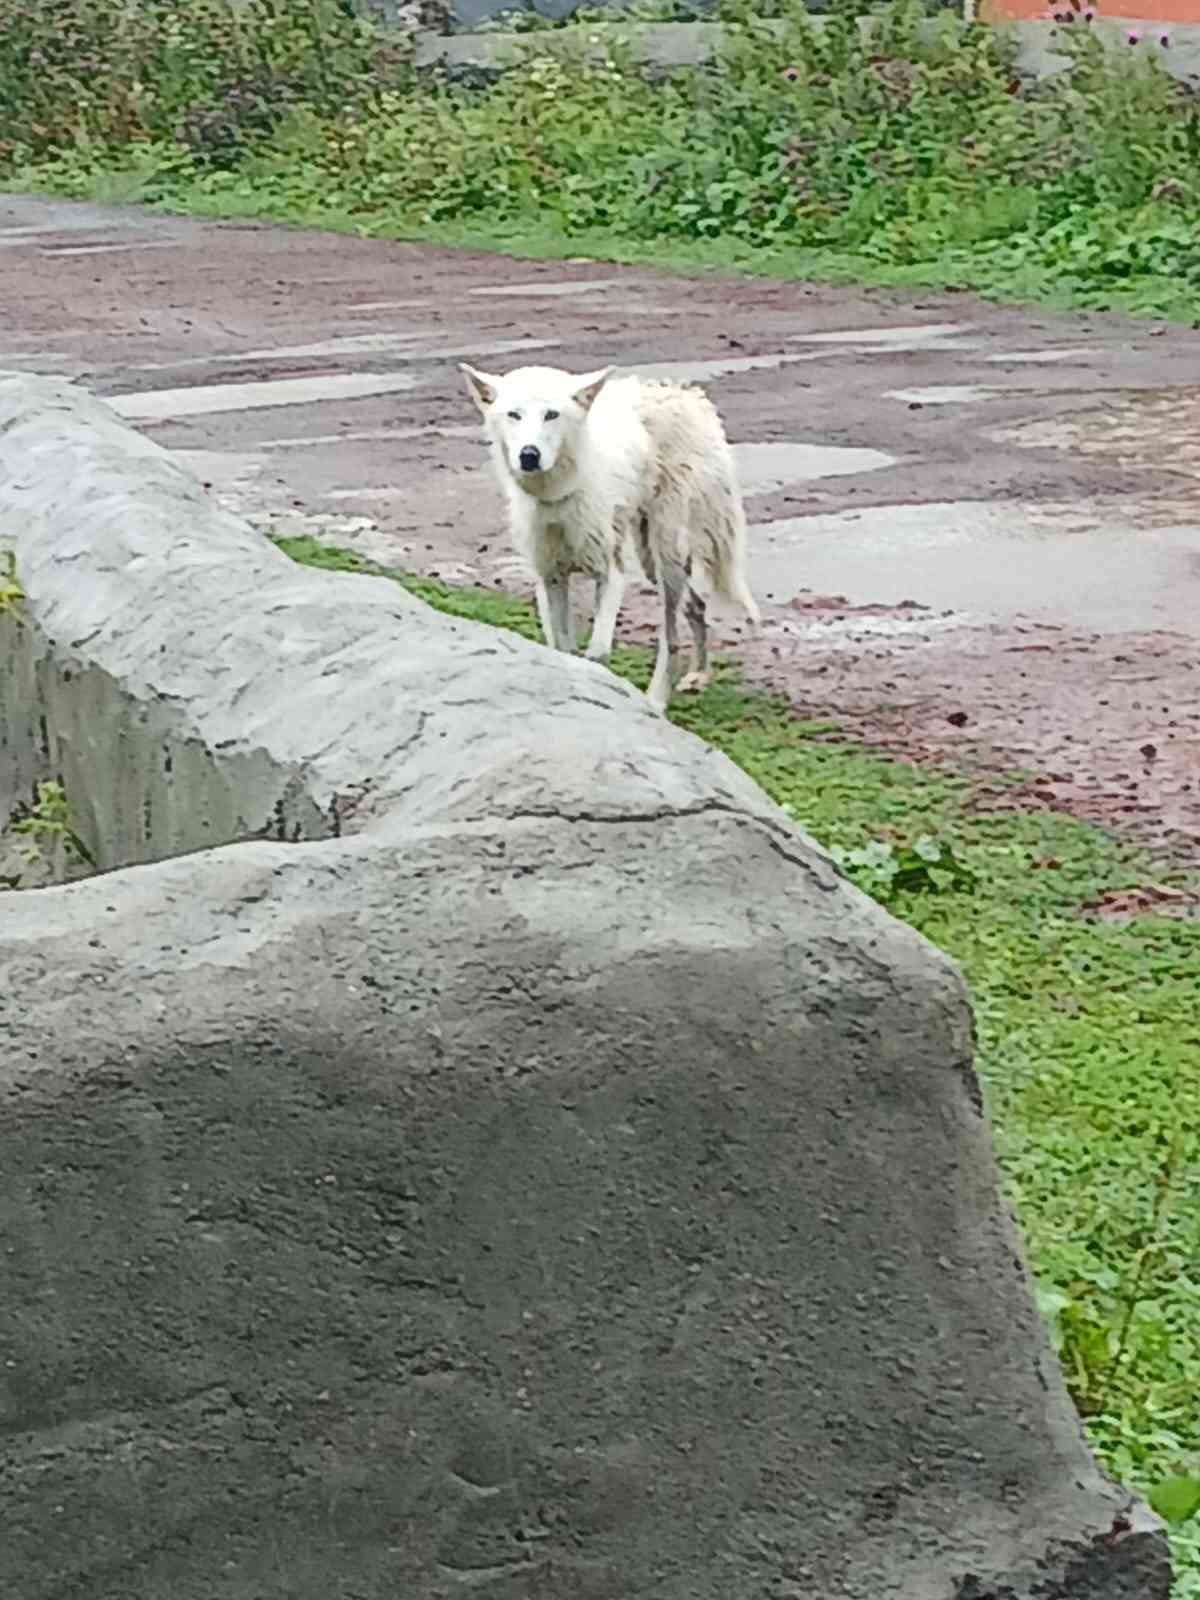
x=11, y=592
x=885, y=870
x=1089, y=1039
x=46, y=825
x=88, y=82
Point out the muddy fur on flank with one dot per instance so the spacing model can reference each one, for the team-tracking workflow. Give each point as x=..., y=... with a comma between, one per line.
x=604, y=474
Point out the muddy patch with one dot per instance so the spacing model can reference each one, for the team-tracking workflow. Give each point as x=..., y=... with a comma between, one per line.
x=1155, y=432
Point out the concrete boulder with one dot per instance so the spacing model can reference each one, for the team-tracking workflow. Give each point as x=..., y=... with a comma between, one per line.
x=466, y=1141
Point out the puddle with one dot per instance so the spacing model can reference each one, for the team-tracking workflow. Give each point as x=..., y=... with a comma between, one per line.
x=160, y=405
x=919, y=336
x=552, y=290
x=40, y=361
x=720, y=367
x=943, y=394
x=345, y=344
x=1030, y=357
x=624, y=309
x=401, y=346
x=56, y=250
x=15, y=238
x=425, y=340
x=301, y=441
x=765, y=468
x=391, y=305
x=24, y=231
x=472, y=352
x=994, y=560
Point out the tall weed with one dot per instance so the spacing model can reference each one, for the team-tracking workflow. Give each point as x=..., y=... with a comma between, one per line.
x=93, y=80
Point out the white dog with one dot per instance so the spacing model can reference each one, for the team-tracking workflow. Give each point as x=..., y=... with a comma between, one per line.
x=600, y=470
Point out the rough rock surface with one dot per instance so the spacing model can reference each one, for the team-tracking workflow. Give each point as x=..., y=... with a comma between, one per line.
x=526, y=1172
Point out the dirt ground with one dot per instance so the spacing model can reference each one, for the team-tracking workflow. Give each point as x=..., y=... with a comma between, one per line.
x=976, y=529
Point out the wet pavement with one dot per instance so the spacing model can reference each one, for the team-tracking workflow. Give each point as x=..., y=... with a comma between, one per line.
x=976, y=528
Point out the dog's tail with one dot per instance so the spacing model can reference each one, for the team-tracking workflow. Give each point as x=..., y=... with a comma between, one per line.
x=723, y=556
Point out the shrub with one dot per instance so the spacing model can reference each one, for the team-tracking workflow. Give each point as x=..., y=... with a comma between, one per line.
x=95, y=77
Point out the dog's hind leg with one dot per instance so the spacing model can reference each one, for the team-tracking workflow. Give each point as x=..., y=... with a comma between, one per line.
x=610, y=591
x=696, y=611
x=560, y=635
x=672, y=580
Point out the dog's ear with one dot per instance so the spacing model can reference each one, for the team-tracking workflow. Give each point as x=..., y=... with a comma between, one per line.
x=589, y=386
x=481, y=386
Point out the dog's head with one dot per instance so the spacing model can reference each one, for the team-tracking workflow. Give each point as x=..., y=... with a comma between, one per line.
x=534, y=414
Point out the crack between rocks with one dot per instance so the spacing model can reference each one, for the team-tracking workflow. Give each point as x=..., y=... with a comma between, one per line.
x=775, y=835
x=470, y=1576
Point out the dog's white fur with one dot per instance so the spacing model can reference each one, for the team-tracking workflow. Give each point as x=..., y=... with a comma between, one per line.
x=602, y=472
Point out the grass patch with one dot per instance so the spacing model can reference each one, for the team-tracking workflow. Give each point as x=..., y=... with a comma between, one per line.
x=911, y=156
x=1089, y=1044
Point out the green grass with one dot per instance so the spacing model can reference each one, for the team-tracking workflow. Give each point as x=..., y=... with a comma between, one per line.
x=991, y=274
x=1001, y=273
x=1089, y=1045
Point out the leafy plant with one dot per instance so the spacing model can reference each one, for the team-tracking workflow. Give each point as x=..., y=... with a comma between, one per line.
x=47, y=822
x=11, y=592
x=1177, y=1498
x=93, y=78
x=885, y=870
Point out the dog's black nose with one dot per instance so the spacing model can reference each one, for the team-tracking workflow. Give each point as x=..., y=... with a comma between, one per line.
x=530, y=458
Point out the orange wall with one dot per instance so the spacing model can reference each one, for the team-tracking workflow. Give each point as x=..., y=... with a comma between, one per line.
x=1134, y=10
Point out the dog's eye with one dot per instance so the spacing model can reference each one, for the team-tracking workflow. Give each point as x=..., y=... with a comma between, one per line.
x=552, y=416
x=514, y=416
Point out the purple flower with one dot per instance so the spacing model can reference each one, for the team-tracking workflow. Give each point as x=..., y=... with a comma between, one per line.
x=1133, y=38
x=1165, y=41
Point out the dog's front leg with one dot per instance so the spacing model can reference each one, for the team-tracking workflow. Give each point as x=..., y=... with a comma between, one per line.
x=543, y=610
x=610, y=592
x=557, y=623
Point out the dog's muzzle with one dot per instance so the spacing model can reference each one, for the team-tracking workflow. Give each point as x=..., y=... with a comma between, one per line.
x=530, y=458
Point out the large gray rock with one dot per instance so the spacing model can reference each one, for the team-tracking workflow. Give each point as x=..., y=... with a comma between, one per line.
x=557, y=1185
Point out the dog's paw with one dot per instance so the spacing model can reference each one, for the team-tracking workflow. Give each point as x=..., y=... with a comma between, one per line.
x=694, y=682
x=597, y=652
